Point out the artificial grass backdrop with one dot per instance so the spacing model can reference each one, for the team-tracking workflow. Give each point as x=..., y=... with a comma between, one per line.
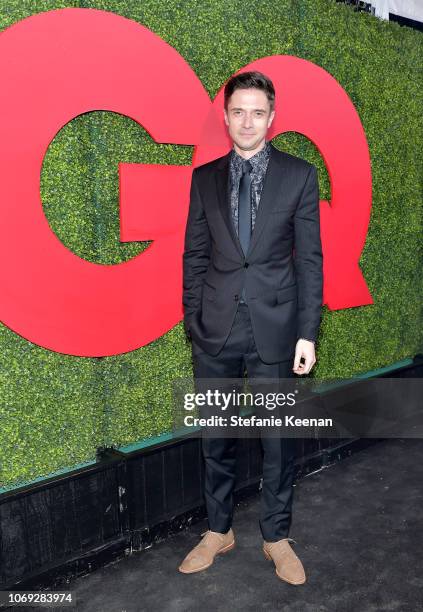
x=55, y=410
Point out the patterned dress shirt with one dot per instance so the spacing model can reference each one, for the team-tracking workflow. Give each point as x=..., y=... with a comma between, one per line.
x=259, y=161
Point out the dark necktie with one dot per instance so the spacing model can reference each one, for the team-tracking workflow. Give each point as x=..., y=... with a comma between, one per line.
x=244, y=206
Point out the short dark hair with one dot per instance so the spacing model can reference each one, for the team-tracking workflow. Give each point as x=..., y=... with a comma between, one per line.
x=247, y=80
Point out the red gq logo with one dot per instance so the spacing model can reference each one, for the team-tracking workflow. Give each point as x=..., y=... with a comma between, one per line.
x=59, y=64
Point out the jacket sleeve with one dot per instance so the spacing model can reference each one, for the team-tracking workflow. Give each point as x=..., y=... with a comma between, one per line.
x=196, y=255
x=309, y=259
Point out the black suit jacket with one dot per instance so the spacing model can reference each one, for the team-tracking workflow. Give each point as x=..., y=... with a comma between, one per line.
x=282, y=270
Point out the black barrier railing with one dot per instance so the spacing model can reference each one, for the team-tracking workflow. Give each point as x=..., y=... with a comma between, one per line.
x=75, y=522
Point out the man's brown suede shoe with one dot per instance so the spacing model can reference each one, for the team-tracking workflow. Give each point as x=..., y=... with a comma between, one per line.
x=288, y=565
x=202, y=555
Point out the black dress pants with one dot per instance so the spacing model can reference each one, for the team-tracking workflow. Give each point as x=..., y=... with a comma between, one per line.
x=240, y=353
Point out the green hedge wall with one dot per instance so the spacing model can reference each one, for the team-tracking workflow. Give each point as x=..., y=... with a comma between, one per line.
x=55, y=410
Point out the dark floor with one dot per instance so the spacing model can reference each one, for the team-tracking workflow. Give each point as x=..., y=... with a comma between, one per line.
x=359, y=532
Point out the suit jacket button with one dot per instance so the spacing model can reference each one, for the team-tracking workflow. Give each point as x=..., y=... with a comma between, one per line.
x=236, y=298
x=246, y=264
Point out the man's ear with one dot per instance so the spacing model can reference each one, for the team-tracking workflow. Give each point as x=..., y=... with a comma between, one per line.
x=225, y=116
x=271, y=117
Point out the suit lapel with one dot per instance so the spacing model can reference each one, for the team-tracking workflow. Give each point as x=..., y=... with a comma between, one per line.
x=222, y=184
x=271, y=186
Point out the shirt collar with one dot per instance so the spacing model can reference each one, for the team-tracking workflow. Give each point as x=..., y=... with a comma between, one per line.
x=257, y=160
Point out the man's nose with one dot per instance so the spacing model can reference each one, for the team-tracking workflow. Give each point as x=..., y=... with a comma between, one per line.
x=247, y=121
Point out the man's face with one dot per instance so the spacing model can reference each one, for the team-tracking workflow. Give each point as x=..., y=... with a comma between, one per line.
x=248, y=118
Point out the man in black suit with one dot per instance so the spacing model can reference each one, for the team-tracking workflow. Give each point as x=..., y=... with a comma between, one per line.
x=252, y=299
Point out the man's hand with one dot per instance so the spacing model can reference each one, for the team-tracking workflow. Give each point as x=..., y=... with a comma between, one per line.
x=304, y=348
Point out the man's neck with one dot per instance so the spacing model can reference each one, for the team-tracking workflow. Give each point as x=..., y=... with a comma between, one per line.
x=249, y=154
